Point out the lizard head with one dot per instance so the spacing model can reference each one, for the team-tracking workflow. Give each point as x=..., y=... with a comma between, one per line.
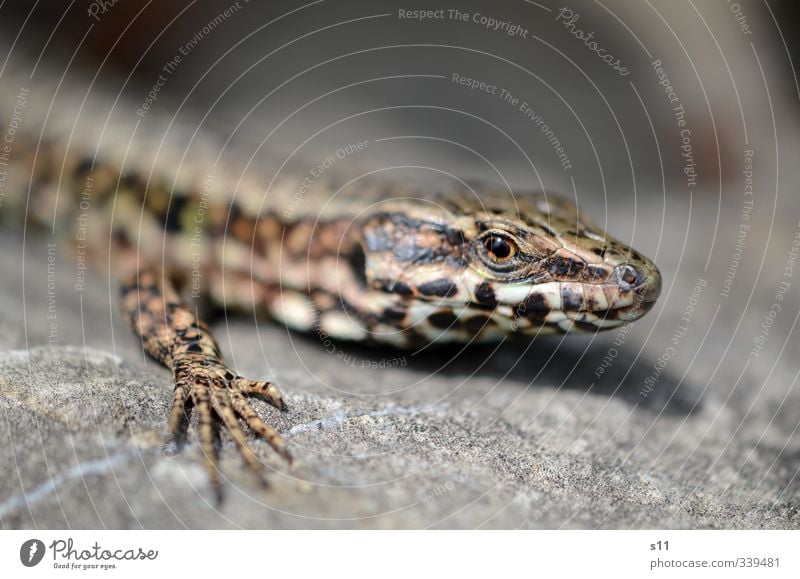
x=526, y=264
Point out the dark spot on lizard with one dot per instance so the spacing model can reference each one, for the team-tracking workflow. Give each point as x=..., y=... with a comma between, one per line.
x=441, y=288
x=393, y=287
x=392, y=315
x=476, y=324
x=358, y=265
x=132, y=181
x=543, y=226
x=121, y=238
x=443, y=319
x=172, y=223
x=484, y=293
x=84, y=167
x=401, y=288
x=534, y=316
x=534, y=303
x=454, y=236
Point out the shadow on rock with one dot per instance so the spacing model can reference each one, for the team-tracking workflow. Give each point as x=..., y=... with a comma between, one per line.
x=576, y=364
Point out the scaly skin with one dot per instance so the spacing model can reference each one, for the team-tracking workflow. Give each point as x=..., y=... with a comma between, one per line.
x=404, y=265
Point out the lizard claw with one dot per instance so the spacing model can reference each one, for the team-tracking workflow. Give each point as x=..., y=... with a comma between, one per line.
x=266, y=390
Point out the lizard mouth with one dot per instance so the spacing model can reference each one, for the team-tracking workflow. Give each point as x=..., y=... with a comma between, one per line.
x=583, y=319
x=586, y=307
x=611, y=318
x=522, y=320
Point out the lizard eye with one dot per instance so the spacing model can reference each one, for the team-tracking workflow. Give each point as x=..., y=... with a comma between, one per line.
x=500, y=248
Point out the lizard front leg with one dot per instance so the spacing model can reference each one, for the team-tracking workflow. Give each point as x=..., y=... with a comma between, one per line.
x=172, y=333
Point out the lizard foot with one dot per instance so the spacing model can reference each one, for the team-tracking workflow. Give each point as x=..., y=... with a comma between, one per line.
x=172, y=333
x=220, y=397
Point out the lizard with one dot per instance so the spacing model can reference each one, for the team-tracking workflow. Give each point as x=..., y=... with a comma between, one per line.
x=396, y=263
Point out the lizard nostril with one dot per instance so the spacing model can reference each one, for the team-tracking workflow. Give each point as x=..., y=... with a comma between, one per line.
x=628, y=276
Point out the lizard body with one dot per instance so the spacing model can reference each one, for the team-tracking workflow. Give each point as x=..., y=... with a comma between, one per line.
x=372, y=260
